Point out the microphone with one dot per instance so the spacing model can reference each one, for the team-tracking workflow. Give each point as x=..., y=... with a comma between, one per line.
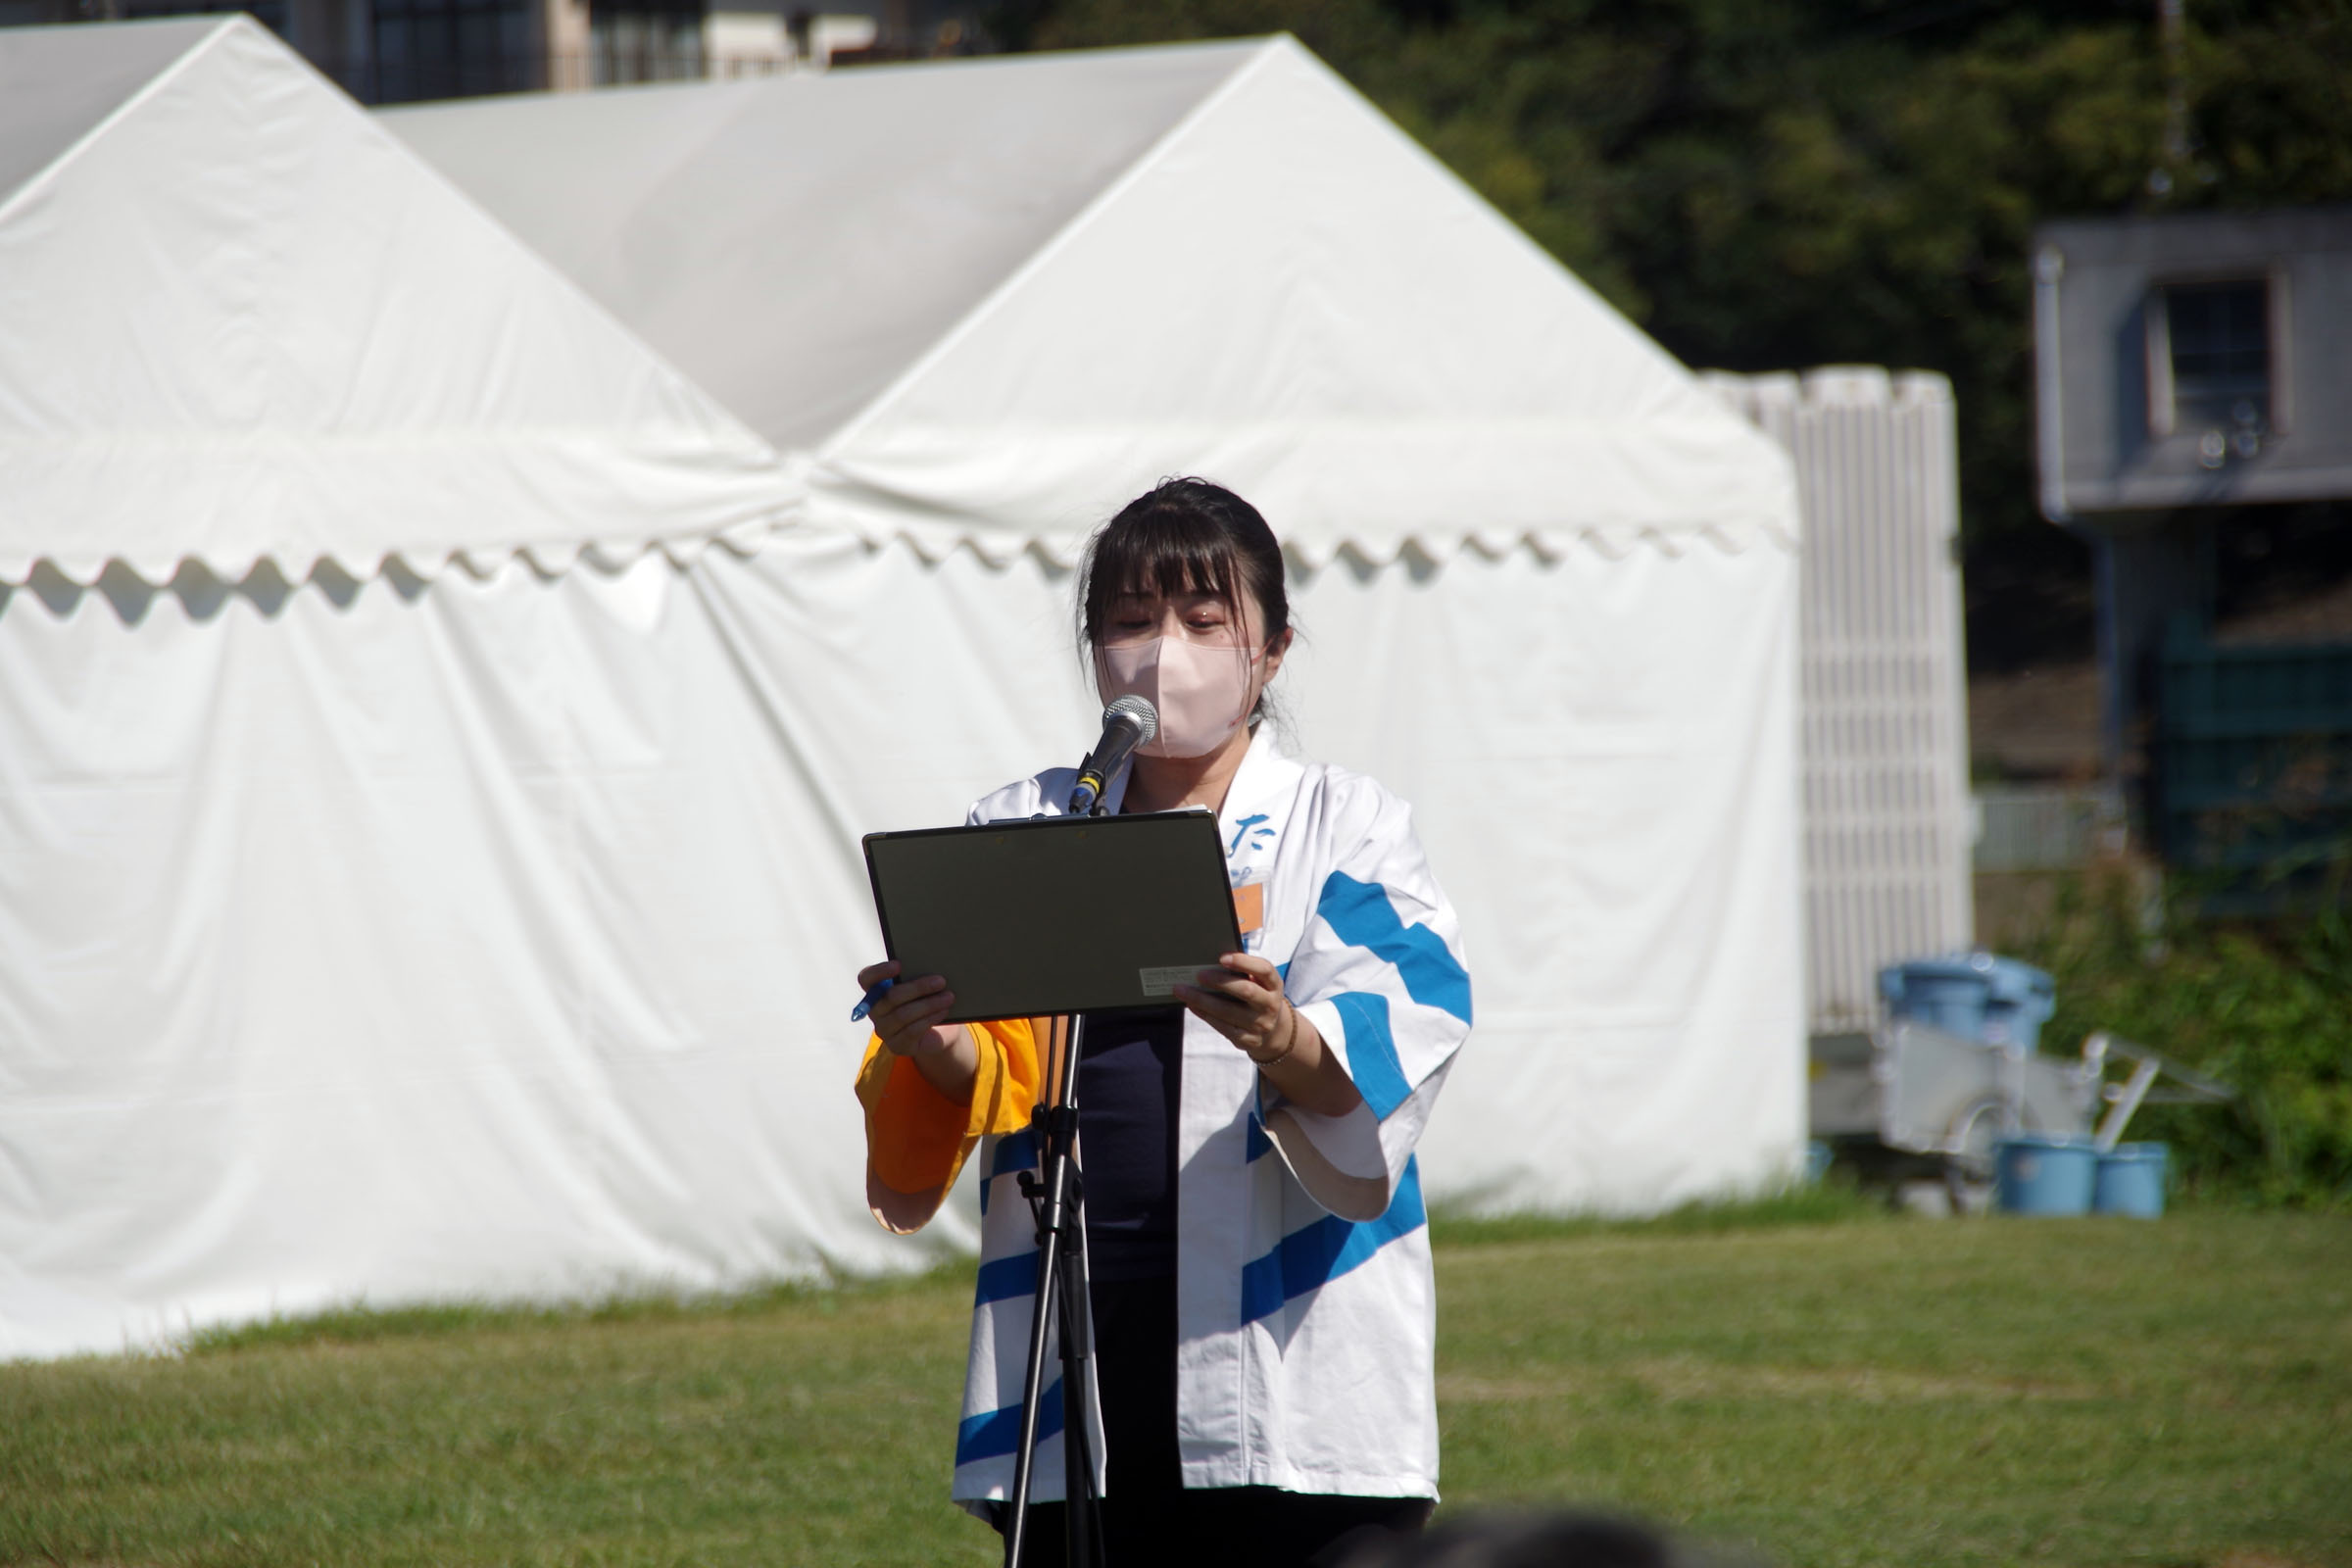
x=1128, y=722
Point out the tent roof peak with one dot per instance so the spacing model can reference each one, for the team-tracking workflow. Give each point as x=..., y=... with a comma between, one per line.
x=59, y=84
x=866, y=212
x=239, y=321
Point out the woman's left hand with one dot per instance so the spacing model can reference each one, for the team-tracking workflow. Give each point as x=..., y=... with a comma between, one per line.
x=1244, y=1002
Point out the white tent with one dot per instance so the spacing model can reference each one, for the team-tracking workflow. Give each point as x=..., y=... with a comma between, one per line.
x=1548, y=578
x=412, y=931
x=374, y=936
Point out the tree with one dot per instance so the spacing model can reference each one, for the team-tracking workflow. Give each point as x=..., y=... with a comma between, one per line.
x=1779, y=183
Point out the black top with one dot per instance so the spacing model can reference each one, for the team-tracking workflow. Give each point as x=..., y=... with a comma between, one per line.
x=1128, y=1075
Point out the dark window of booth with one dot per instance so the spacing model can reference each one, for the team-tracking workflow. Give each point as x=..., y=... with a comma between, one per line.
x=2218, y=334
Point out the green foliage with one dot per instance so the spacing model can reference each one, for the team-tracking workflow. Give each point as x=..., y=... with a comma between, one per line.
x=2266, y=1008
x=1768, y=184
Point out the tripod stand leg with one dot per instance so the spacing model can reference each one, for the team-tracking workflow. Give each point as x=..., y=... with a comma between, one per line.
x=1061, y=1298
x=1084, y=1511
x=1016, y=1531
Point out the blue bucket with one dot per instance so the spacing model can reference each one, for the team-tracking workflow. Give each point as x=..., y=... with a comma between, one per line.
x=2034, y=1173
x=1947, y=994
x=1976, y=996
x=2021, y=1000
x=2130, y=1181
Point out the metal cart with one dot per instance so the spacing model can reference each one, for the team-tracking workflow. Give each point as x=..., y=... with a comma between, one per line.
x=1907, y=1099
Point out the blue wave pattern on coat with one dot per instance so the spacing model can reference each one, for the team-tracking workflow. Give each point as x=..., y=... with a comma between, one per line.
x=1004, y=1277
x=1312, y=1256
x=1360, y=915
x=1258, y=1144
x=999, y=1432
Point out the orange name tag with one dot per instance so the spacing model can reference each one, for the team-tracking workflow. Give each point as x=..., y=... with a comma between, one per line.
x=1250, y=905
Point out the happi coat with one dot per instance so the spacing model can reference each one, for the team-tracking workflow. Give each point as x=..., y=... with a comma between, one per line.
x=1304, y=1300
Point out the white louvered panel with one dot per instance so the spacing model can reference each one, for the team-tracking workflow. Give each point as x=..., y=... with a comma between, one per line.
x=1886, y=729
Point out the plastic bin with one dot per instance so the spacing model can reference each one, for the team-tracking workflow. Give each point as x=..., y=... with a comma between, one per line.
x=2038, y=1173
x=2130, y=1181
x=1976, y=996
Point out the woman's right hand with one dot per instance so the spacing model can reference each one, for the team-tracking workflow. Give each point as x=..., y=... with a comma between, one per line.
x=907, y=1017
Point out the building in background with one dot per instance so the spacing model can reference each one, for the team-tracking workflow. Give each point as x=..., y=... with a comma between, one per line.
x=2193, y=375
x=410, y=51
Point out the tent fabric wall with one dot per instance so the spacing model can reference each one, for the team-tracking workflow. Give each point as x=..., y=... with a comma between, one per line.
x=1600, y=749
x=485, y=937
x=492, y=937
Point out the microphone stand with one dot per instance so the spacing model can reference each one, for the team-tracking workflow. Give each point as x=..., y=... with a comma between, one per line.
x=1057, y=1195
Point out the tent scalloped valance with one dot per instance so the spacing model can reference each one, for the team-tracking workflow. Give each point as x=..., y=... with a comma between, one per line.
x=999, y=549
x=548, y=560
x=995, y=548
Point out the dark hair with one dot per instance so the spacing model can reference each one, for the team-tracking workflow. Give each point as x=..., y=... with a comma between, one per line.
x=1184, y=536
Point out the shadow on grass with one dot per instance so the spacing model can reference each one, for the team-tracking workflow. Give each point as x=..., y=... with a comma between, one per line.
x=1832, y=1203
x=359, y=1323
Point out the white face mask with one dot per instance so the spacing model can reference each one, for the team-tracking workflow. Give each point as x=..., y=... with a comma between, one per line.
x=1202, y=691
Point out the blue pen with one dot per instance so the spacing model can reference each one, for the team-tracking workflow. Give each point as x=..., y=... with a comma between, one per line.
x=865, y=1003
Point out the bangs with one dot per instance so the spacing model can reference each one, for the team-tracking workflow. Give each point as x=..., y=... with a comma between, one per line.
x=1164, y=552
x=1179, y=538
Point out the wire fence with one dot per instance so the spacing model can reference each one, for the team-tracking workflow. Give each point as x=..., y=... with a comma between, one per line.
x=2047, y=827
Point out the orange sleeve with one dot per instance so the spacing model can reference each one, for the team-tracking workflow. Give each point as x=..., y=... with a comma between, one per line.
x=917, y=1138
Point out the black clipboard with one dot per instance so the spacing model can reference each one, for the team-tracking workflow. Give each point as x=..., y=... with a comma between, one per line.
x=1056, y=914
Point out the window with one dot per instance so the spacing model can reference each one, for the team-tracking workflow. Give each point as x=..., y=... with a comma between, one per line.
x=270, y=14
x=451, y=49
x=2220, y=338
x=2214, y=375
x=645, y=40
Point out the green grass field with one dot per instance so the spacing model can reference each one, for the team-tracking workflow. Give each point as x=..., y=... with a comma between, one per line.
x=1872, y=1391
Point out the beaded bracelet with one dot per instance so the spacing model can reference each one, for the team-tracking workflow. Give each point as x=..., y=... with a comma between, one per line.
x=1288, y=1045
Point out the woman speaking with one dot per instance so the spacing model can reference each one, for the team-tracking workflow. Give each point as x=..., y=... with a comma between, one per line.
x=1260, y=1263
